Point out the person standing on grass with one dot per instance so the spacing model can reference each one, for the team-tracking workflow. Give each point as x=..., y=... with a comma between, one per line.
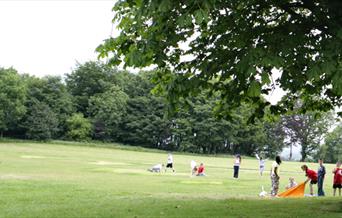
x=321, y=175
x=169, y=162
x=311, y=176
x=337, y=178
x=261, y=164
x=237, y=163
x=275, y=176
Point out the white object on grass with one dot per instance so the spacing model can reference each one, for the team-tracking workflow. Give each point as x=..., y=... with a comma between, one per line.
x=262, y=193
x=156, y=168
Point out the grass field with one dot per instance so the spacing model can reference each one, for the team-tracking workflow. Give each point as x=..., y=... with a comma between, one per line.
x=54, y=180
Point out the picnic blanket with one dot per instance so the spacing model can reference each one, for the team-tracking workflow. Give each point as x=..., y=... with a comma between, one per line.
x=294, y=192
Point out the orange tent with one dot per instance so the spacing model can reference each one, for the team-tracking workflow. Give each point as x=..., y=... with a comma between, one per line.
x=295, y=192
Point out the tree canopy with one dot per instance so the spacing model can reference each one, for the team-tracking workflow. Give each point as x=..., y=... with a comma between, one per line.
x=118, y=106
x=12, y=97
x=307, y=130
x=232, y=47
x=332, y=150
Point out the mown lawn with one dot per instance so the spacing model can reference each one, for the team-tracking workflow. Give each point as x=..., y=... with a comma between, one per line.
x=54, y=180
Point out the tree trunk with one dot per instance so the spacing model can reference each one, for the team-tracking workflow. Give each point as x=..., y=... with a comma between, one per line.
x=303, y=153
x=204, y=149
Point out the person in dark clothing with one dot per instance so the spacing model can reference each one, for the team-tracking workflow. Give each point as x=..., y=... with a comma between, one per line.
x=237, y=163
x=320, y=180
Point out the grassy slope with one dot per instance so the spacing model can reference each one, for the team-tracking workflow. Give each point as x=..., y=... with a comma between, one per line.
x=45, y=180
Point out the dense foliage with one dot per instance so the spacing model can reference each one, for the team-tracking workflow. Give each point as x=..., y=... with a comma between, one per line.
x=332, y=149
x=96, y=102
x=12, y=99
x=307, y=130
x=234, y=48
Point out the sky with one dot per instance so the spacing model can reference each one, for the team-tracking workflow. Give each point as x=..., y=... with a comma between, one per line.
x=47, y=37
x=50, y=37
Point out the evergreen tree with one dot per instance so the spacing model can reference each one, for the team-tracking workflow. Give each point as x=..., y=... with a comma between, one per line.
x=41, y=122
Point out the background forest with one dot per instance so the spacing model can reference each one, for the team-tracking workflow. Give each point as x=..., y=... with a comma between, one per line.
x=96, y=102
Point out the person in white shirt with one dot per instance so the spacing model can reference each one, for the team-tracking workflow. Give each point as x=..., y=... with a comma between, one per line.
x=169, y=162
x=237, y=163
x=292, y=183
x=262, y=163
x=156, y=168
x=275, y=176
x=193, y=167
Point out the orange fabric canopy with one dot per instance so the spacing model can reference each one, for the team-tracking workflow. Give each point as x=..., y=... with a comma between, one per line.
x=294, y=192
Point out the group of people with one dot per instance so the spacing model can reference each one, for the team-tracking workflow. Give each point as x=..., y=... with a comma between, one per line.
x=195, y=171
x=318, y=178
x=312, y=176
x=158, y=167
x=237, y=163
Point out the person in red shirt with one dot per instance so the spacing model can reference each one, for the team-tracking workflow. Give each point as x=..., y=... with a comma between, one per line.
x=337, y=178
x=200, y=171
x=312, y=177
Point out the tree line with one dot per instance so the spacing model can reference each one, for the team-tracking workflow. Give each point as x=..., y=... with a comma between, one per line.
x=97, y=102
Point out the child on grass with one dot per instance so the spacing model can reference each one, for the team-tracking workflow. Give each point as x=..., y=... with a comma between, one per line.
x=321, y=174
x=200, y=171
x=261, y=164
x=275, y=176
x=292, y=183
x=337, y=178
x=237, y=163
x=193, y=167
x=169, y=162
x=311, y=176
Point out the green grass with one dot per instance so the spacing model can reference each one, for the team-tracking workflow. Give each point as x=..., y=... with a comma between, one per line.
x=55, y=180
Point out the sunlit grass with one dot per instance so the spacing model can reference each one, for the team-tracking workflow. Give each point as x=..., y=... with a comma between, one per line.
x=54, y=180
